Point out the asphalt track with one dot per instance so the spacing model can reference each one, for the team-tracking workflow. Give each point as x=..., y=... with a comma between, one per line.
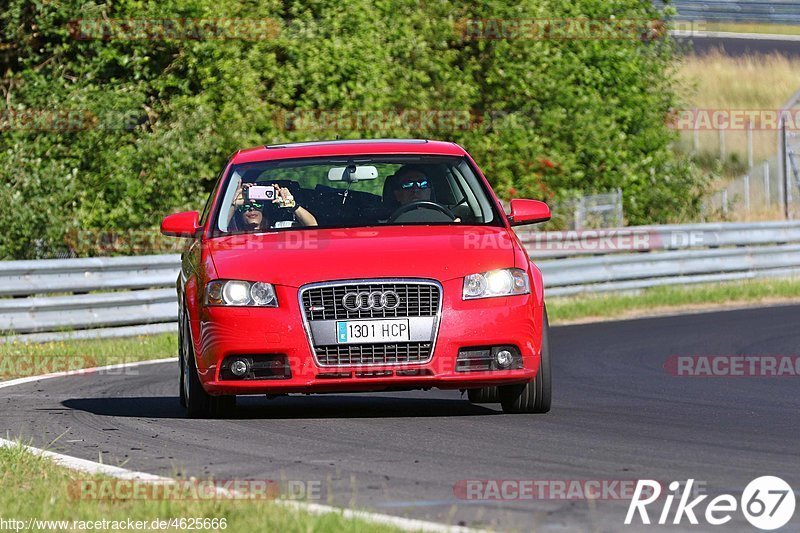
x=739, y=47
x=617, y=415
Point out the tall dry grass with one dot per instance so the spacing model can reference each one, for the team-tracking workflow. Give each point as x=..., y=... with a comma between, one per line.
x=754, y=81
x=716, y=81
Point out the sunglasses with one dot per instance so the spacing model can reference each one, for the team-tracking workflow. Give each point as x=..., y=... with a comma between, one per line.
x=421, y=184
x=252, y=206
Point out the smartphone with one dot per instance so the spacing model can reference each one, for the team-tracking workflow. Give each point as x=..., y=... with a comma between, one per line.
x=259, y=192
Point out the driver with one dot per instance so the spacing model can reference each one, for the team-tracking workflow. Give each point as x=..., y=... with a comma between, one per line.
x=411, y=184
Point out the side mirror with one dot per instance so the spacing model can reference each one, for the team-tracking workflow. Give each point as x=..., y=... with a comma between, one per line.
x=528, y=212
x=183, y=224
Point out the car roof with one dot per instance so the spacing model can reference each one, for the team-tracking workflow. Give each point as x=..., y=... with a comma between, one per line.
x=352, y=147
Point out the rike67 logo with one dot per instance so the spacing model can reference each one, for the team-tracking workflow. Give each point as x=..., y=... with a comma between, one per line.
x=767, y=503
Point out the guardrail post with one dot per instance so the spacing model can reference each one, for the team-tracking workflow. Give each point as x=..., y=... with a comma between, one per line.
x=579, y=213
x=724, y=202
x=746, y=186
x=767, y=199
x=785, y=168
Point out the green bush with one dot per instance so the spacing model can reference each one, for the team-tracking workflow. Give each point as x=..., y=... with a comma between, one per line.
x=158, y=118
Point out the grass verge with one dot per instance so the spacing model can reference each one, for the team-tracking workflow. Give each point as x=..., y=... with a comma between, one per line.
x=21, y=360
x=672, y=299
x=45, y=491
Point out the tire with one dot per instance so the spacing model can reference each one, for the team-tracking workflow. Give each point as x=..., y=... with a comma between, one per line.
x=181, y=391
x=544, y=379
x=534, y=396
x=198, y=403
x=223, y=406
x=484, y=395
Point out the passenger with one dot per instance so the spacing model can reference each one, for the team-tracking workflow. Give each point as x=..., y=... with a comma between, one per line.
x=252, y=215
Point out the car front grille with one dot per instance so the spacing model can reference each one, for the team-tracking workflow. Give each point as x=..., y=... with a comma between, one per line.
x=416, y=299
x=373, y=354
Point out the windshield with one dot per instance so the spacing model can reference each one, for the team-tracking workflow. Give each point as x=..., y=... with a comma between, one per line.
x=361, y=191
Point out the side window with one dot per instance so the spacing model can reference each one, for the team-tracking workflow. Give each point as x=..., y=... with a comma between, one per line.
x=459, y=197
x=468, y=194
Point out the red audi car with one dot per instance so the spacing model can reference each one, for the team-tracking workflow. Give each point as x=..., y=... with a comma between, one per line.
x=354, y=266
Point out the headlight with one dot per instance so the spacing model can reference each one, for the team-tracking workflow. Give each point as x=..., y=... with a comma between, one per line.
x=504, y=282
x=240, y=293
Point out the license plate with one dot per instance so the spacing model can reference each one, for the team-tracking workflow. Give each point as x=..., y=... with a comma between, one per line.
x=362, y=331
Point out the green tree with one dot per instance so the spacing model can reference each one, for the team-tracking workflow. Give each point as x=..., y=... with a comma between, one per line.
x=158, y=118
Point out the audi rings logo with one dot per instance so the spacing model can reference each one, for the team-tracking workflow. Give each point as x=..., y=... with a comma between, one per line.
x=377, y=300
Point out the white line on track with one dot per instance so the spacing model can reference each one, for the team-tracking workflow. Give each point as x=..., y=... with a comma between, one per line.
x=92, y=467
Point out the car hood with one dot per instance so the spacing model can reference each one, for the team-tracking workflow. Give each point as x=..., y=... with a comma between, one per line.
x=297, y=257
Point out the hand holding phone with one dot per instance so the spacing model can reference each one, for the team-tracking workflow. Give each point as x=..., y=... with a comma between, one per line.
x=260, y=192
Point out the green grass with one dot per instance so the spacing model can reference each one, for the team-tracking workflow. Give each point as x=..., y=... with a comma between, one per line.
x=20, y=359
x=671, y=299
x=36, y=488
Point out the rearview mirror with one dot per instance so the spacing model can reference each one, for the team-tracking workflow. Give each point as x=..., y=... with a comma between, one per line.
x=352, y=173
x=183, y=224
x=528, y=212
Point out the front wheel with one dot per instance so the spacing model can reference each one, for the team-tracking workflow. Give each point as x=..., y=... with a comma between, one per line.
x=181, y=367
x=198, y=403
x=535, y=396
x=483, y=395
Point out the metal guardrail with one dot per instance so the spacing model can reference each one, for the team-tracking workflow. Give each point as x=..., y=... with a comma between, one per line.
x=124, y=296
x=778, y=12
x=564, y=244
x=617, y=273
x=127, y=295
x=638, y=257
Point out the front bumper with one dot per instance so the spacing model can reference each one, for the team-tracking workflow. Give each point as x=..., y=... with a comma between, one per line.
x=227, y=331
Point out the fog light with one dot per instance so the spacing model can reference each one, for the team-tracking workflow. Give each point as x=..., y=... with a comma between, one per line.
x=240, y=367
x=504, y=358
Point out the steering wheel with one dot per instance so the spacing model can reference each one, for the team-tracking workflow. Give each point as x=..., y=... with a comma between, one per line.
x=420, y=204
